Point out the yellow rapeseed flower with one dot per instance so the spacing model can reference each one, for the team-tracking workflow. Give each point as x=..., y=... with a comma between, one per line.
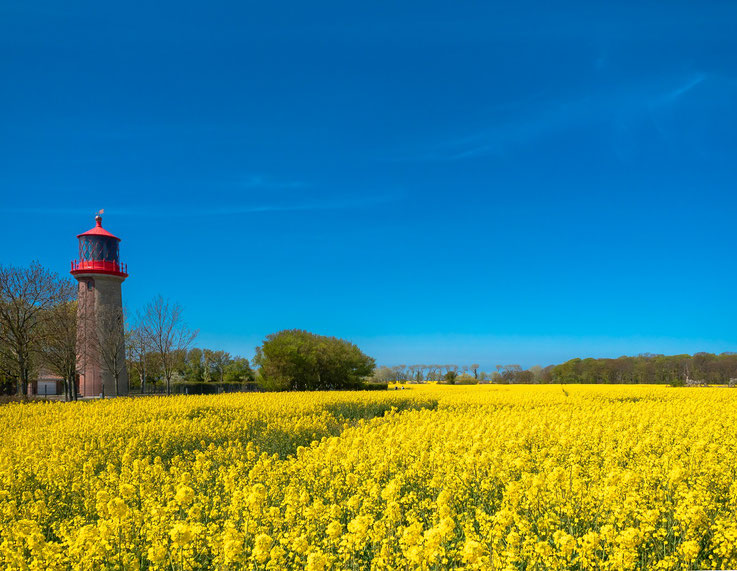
x=436, y=477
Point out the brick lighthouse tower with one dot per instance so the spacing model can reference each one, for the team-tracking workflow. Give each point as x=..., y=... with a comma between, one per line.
x=100, y=339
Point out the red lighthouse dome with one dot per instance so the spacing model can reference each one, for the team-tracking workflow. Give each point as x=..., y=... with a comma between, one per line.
x=99, y=252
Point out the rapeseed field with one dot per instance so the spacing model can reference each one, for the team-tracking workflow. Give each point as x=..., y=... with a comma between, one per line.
x=435, y=477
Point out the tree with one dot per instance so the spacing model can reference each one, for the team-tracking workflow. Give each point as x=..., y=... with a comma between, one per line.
x=6, y=374
x=399, y=375
x=510, y=374
x=645, y=368
x=433, y=372
x=451, y=372
x=220, y=362
x=139, y=346
x=194, y=369
x=415, y=373
x=169, y=335
x=238, y=370
x=26, y=297
x=537, y=373
x=59, y=343
x=215, y=363
x=475, y=369
x=110, y=342
x=465, y=379
x=384, y=375
x=299, y=360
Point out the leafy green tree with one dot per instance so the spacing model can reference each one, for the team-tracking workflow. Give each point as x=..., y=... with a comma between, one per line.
x=705, y=368
x=194, y=367
x=299, y=360
x=238, y=370
x=465, y=379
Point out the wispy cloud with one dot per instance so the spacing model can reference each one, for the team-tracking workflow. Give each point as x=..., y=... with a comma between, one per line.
x=225, y=209
x=544, y=117
x=688, y=86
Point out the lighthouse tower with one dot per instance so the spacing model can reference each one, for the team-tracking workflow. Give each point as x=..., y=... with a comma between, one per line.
x=100, y=338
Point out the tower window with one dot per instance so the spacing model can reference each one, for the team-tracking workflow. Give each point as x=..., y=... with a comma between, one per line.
x=90, y=284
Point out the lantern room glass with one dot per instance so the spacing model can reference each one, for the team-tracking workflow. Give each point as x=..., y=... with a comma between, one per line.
x=98, y=248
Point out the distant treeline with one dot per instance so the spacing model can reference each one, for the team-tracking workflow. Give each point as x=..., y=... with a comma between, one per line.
x=700, y=368
x=647, y=368
x=460, y=374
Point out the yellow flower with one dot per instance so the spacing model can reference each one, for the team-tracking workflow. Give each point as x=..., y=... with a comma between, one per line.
x=181, y=534
x=565, y=542
x=316, y=561
x=472, y=551
x=690, y=550
x=484, y=476
x=360, y=525
x=334, y=530
x=184, y=495
x=300, y=544
x=156, y=553
x=232, y=544
x=117, y=508
x=127, y=491
x=262, y=547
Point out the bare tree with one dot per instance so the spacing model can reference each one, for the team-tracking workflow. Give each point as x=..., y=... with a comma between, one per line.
x=26, y=296
x=414, y=372
x=398, y=371
x=139, y=345
x=475, y=369
x=537, y=373
x=435, y=373
x=383, y=375
x=6, y=372
x=59, y=347
x=215, y=362
x=110, y=342
x=169, y=335
x=512, y=374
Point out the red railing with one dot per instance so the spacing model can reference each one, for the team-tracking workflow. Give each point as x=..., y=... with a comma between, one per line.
x=101, y=266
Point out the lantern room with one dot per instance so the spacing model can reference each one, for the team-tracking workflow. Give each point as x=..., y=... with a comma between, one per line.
x=99, y=252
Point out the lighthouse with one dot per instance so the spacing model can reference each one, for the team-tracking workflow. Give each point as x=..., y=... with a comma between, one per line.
x=100, y=335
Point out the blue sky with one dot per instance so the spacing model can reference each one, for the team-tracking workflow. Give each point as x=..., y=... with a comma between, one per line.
x=439, y=182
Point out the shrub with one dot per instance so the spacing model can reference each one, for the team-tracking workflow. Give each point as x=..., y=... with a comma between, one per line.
x=300, y=360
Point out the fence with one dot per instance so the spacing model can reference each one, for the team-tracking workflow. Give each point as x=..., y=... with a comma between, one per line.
x=197, y=388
